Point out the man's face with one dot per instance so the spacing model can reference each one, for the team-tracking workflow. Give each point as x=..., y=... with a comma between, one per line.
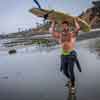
x=65, y=27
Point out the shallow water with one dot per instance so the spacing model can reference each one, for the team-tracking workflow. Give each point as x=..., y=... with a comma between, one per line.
x=33, y=74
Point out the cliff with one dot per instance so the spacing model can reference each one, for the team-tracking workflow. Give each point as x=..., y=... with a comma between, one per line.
x=92, y=15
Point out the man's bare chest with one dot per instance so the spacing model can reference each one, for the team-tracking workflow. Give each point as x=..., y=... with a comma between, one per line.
x=65, y=38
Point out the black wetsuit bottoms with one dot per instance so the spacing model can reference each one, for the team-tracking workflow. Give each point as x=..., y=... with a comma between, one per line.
x=67, y=65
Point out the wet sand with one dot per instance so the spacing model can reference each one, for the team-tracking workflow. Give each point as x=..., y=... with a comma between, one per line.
x=33, y=74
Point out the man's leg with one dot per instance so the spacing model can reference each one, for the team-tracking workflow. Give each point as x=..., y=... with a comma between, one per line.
x=74, y=54
x=64, y=66
x=72, y=76
x=66, y=70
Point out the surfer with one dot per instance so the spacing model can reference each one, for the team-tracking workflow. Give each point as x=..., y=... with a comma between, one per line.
x=67, y=41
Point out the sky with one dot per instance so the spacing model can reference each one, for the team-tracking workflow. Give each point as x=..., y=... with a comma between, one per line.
x=15, y=14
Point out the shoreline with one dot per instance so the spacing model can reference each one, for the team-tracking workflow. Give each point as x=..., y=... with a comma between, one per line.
x=47, y=38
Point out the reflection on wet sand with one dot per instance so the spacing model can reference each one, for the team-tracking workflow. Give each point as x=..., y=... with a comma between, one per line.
x=94, y=46
x=33, y=49
x=71, y=96
x=97, y=47
x=34, y=75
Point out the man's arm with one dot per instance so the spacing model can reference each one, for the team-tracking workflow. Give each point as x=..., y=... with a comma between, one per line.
x=52, y=30
x=77, y=27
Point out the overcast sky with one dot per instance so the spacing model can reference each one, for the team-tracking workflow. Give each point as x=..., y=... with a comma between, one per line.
x=15, y=13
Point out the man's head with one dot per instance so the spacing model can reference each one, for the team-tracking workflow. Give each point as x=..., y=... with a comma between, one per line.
x=65, y=26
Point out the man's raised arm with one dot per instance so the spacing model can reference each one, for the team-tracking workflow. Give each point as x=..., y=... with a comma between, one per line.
x=52, y=30
x=77, y=27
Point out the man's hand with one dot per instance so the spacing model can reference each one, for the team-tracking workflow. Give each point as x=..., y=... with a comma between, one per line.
x=53, y=20
x=77, y=26
x=76, y=19
x=53, y=25
x=52, y=29
x=76, y=23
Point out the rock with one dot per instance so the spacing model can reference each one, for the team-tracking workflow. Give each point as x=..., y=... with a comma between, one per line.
x=12, y=51
x=92, y=15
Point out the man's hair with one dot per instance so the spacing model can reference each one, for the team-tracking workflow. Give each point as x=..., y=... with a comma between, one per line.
x=65, y=22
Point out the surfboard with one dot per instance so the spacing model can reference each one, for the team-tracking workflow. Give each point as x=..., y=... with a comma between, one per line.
x=59, y=17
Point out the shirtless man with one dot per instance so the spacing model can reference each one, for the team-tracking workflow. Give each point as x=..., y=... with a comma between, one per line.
x=67, y=41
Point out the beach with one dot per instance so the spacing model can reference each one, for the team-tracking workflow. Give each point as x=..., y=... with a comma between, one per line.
x=34, y=73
